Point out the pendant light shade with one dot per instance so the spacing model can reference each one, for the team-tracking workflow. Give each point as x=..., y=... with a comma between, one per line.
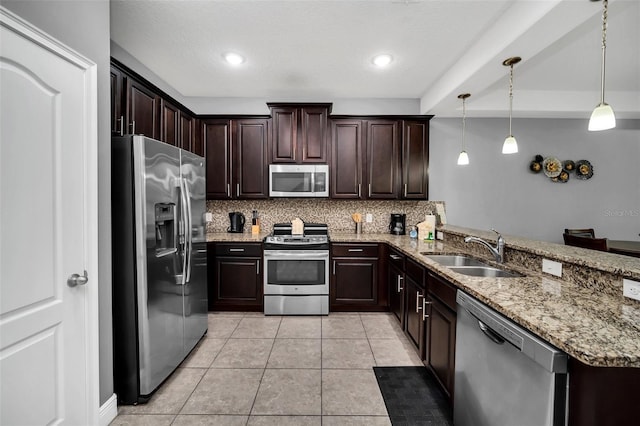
x=463, y=158
x=602, y=117
x=510, y=145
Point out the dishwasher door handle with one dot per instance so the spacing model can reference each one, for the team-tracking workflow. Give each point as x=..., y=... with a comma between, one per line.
x=492, y=335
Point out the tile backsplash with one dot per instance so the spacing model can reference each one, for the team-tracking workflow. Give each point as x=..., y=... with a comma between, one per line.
x=336, y=213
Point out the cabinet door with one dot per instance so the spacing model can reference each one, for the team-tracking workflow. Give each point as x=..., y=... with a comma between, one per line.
x=396, y=293
x=169, y=122
x=346, y=159
x=143, y=107
x=238, y=282
x=414, y=319
x=198, y=146
x=441, y=335
x=250, y=141
x=313, y=134
x=355, y=282
x=383, y=159
x=117, y=98
x=415, y=162
x=187, y=132
x=216, y=135
x=285, y=135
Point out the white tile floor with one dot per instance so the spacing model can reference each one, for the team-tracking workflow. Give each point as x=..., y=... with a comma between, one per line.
x=256, y=370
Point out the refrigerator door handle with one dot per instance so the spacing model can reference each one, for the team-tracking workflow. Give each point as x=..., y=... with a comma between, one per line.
x=184, y=219
x=188, y=233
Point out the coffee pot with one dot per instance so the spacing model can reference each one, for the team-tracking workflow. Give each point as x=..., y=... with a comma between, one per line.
x=236, y=220
x=397, y=224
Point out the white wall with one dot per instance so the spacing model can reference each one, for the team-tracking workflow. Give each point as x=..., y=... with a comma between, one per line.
x=84, y=26
x=498, y=191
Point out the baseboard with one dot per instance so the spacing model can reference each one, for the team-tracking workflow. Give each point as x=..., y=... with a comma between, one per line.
x=109, y=410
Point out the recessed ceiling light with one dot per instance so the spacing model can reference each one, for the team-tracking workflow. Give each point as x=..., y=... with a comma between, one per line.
x=233, y=58
x=382, y=60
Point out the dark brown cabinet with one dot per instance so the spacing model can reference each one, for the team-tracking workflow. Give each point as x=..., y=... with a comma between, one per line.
x=142, y=111
x=118, y=84
x=235, y=276
x=441, y=331
x=414, y=307
x=355, y=283
x=396, y=262
x=187, y=131
x=236, y=154
x=300, y=132
x=382, y=159
x=365, y=159
x=415, y=160
x=169, y=123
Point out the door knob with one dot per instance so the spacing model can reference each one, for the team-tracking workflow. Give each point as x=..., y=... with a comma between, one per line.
x=76, y=279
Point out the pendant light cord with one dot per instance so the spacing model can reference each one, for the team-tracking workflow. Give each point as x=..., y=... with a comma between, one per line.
x=510, y=97
x=605, y=4
x=464, y=115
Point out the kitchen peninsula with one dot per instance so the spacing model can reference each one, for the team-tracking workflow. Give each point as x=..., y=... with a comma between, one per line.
x=583, y=313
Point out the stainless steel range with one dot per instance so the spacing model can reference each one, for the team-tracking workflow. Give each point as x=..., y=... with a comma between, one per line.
x=296, y=272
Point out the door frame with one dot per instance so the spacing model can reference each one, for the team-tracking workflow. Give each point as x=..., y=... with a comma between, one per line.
x=90, y=174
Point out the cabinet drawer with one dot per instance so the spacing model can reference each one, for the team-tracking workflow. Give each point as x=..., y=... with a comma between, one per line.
x=396, y=258
x=355, y=250
x=239, y=249
x=415, y=271
x=443, y=290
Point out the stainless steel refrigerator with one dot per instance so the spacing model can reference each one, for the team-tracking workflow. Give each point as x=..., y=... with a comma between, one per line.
x=159, y=262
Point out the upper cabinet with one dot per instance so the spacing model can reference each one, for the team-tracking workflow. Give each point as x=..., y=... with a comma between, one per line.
x=137, y=107
x=299, y=132
x=415, y=159
x=236, y=154
x=365, y=159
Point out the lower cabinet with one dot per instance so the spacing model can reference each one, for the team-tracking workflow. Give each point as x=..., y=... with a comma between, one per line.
x=235, y=276
x=355, y=282
x=415, y=318
x=396, y=284
x=440, y=331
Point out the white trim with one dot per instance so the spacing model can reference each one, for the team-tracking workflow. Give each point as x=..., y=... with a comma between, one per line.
x=108, y=410
x=90, y=171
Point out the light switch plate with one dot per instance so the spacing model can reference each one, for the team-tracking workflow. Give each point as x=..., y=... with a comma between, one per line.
x=631, y=289
x=551, y=267
x=368, y=218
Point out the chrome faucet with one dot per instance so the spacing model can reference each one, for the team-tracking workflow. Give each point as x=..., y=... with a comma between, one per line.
x=497, y=251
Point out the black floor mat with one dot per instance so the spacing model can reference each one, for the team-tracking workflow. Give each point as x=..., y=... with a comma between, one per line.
x=413, y=397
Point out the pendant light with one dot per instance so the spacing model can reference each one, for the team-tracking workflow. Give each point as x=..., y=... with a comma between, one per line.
x=602, y=117
x=463, y=158
x=510, y=145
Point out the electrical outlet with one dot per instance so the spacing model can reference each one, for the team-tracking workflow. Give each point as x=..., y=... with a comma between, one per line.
x=631, y=289
x=208, y=217
x=368, y=218
x=551, y=267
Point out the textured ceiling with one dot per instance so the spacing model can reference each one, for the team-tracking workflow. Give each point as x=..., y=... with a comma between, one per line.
x=310, y=50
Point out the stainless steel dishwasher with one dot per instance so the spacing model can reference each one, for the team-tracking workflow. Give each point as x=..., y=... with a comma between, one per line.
x=504, y=375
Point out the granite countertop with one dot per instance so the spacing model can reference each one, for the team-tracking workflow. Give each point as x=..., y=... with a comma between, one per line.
x=597, y=329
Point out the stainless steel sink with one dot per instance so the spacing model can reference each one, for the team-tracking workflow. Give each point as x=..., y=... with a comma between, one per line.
x=485, y=271
x=455, y=260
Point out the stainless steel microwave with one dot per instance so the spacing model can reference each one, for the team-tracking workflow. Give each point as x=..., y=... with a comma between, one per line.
x=298, y=180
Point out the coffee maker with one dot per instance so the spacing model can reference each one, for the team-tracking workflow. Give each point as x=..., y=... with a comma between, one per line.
x=397, y=224
x=236, y=220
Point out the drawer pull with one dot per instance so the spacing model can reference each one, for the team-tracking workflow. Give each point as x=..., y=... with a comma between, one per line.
x=355, y=250
x=236, y=249
x=395, y=257
x=418, y=307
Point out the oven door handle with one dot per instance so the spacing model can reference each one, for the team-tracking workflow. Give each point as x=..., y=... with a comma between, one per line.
x=288, y=254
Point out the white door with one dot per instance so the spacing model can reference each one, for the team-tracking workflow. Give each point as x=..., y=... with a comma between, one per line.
x=48, y=228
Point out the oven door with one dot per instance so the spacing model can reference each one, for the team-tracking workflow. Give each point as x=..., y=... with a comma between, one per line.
x=296, y=272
